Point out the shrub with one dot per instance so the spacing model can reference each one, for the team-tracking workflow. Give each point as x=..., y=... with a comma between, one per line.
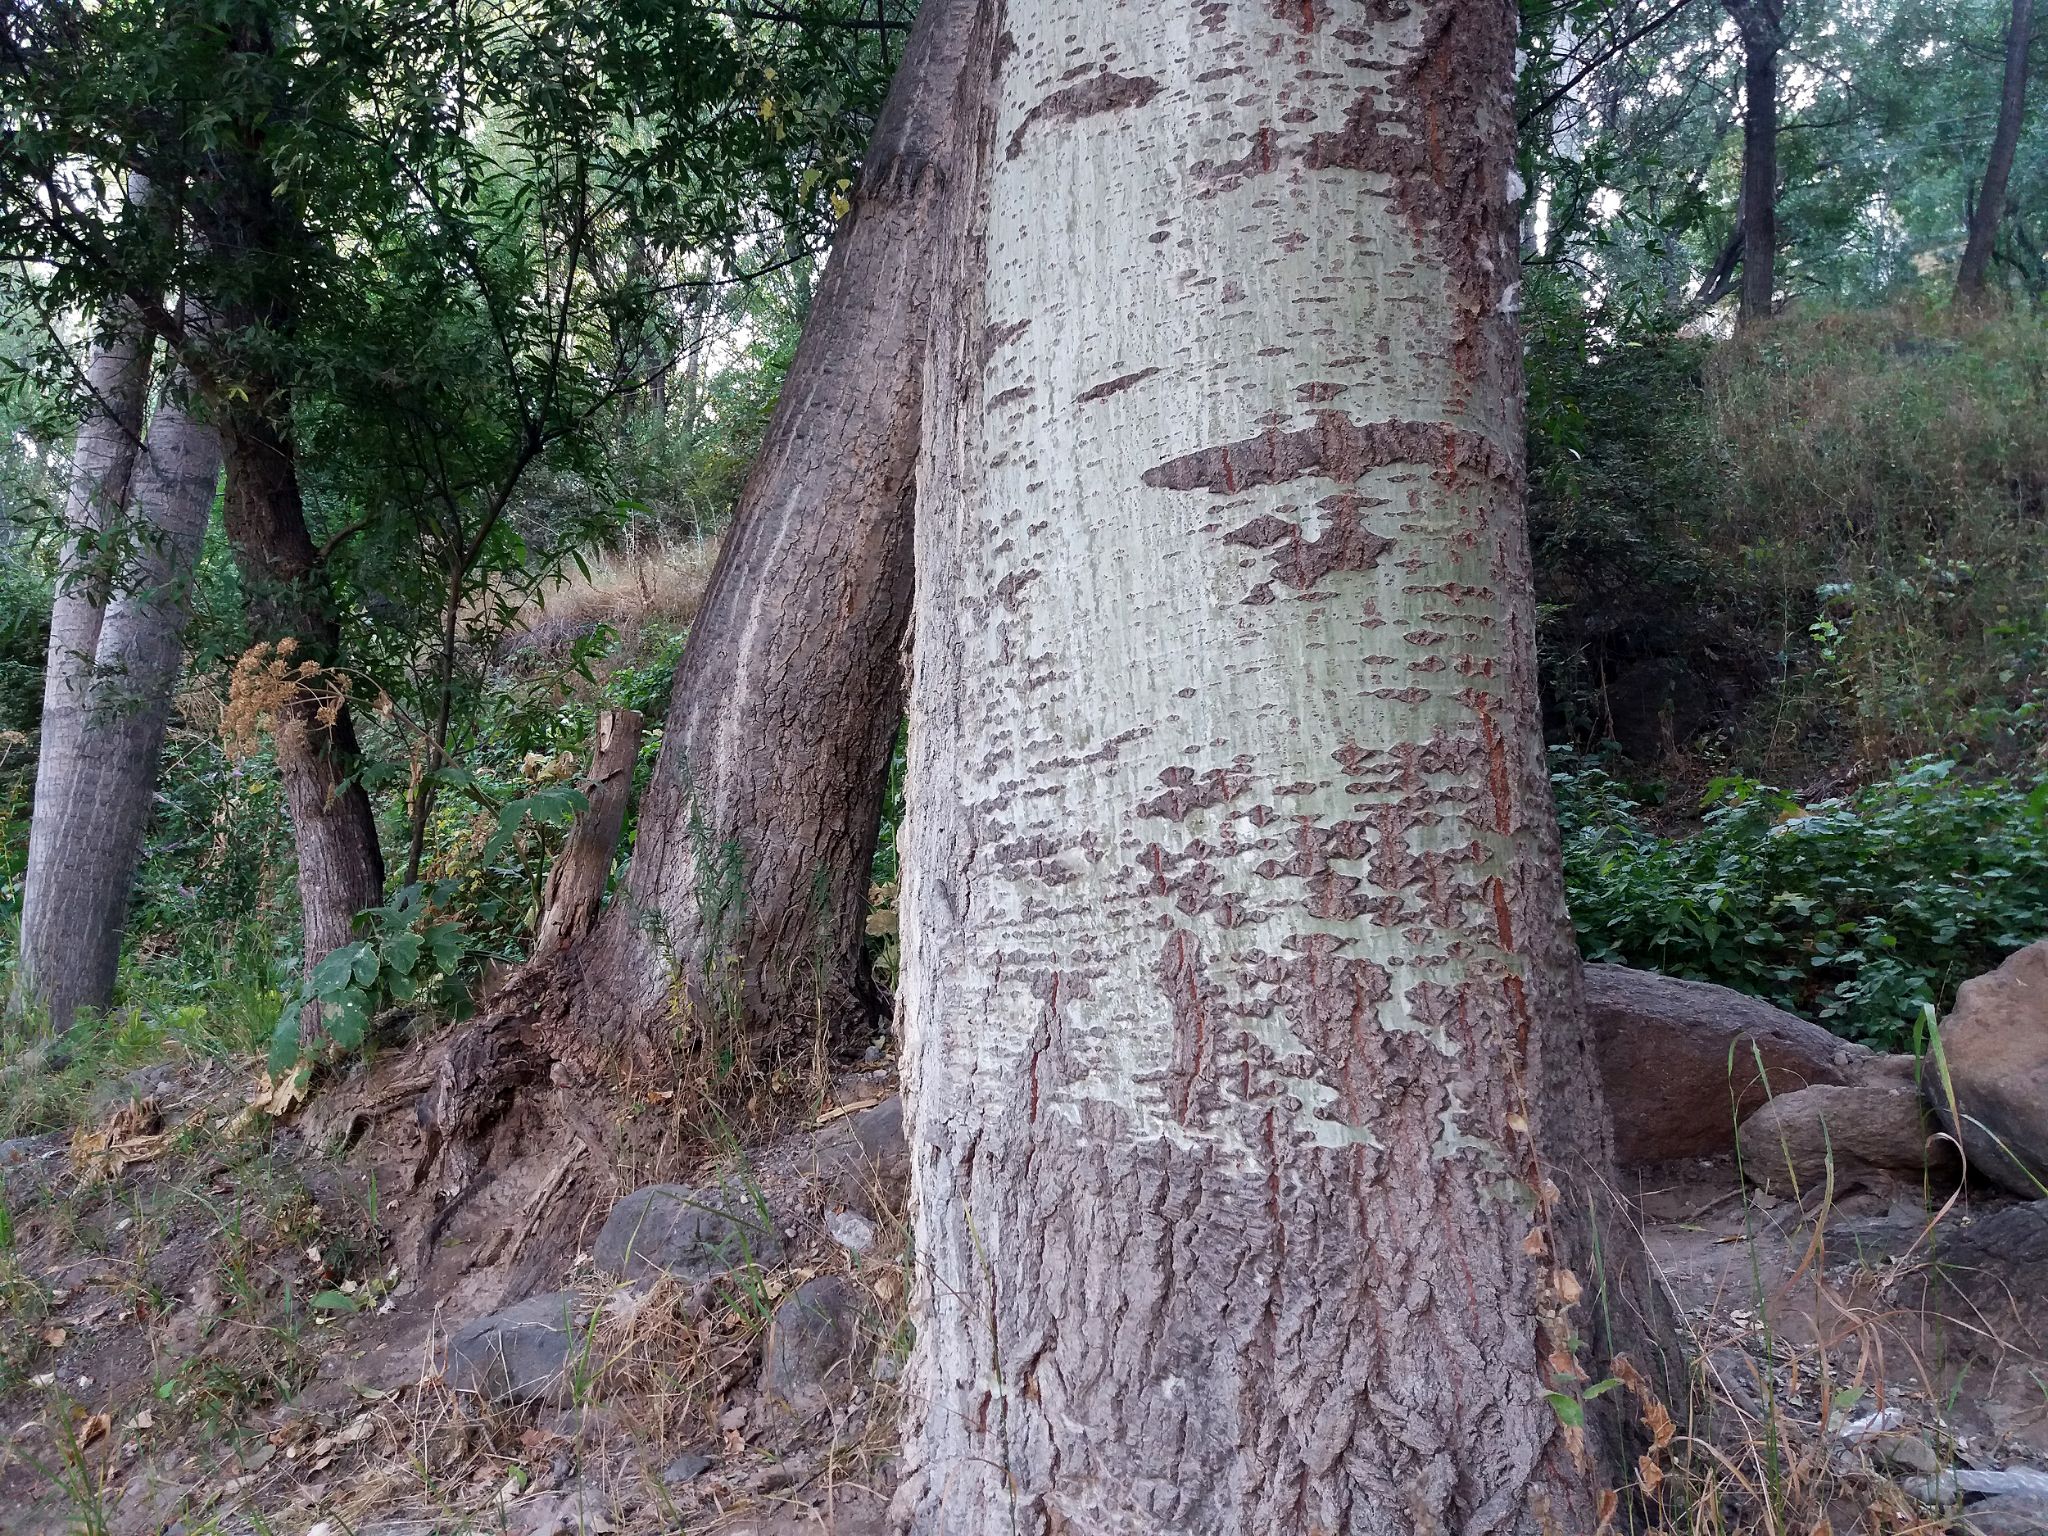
x=1855, y=912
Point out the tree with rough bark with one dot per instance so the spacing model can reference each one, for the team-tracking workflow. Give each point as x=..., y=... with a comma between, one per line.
x=739, y=925
x=1989, y=209
x=1761, y=26
x=1257, y=1146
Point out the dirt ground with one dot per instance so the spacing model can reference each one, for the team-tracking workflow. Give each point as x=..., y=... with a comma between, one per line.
x=209, y=1325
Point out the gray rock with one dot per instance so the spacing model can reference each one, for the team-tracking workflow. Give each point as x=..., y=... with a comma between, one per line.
x=1679, y=1060
x=1991, y=1278
x=686, y=1468
x=520, y=1355
x=816, y=1344
x=2011, y=1514
x=689, y=1234
x=863, y=1161
x=1876, y=1132
x=1995, y=1043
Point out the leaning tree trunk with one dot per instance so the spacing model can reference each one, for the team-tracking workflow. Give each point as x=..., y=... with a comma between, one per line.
x=1989, y=210
x=49, y=974
x=334, y=830
x=739, y=929
x=1254, y=1115
x=1761, y=24
x=96, y=780
x=252, y=241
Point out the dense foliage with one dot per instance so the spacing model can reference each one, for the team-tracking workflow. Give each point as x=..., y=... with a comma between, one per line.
x=1855, y=910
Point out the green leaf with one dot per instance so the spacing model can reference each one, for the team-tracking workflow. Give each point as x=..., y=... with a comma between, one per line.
x=446, y=941
x=402, y=953
x=336, y=1301
x=1570, y=1412
x=284, y=1040
x=346, y=1019
x=337, y=970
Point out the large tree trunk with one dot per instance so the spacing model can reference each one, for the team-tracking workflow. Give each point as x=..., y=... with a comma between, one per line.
x=1761, y=24
x=739, y=928
x=49, y=974
x=1989, y=209
x=1254, y=1116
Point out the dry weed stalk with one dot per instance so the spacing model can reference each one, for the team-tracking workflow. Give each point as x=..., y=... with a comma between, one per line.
x=270, y=692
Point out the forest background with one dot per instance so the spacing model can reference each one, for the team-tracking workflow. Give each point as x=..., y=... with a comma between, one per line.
x=548, y=268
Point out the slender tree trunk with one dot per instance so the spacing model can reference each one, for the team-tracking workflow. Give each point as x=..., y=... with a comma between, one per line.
x=97, y=812
x=739, y=929
x=1254, y=1117
x=1985, y=217
x=1762, y=26
x=50, y=974
x=576, y=883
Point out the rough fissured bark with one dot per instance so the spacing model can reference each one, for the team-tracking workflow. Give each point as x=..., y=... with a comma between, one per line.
x=1253, y=1116
x=334, y=831
x=53, y=973
x=740, y=923
x=1761, y=24
x=1989, y=210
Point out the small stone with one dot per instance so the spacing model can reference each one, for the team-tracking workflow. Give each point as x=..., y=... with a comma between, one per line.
x=1874, y=1132
x=863, y=1160
x=519, y=1355
x=686, y=1468
x=1909, y=1453
x=688, y=1234
x=850, y=1230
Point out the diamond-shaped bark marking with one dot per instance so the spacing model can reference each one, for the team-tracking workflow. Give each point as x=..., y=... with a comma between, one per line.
x=1345, y=543
x=1185, y=792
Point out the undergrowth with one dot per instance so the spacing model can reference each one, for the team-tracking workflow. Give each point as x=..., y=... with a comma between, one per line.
x=1856, y=912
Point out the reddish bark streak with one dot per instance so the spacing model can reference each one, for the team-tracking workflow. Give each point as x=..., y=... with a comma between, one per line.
x=1114, y=386
x=1106, y=92
x=1335, y=447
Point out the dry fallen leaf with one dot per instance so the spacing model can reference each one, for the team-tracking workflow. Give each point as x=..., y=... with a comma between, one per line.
x=94, y=1429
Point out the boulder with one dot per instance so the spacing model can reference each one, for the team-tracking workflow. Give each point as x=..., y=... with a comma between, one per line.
x=1679, y=1060
x=2009, y=1514
x=815, y=1343
x=688, y=1234
x=1995, y=1042
x=1991, y=1275
x=1873, y=1133
x=519, y=1355
x=863, y=1162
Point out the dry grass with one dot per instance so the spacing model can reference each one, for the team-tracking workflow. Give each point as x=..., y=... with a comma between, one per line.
x=650, y=586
